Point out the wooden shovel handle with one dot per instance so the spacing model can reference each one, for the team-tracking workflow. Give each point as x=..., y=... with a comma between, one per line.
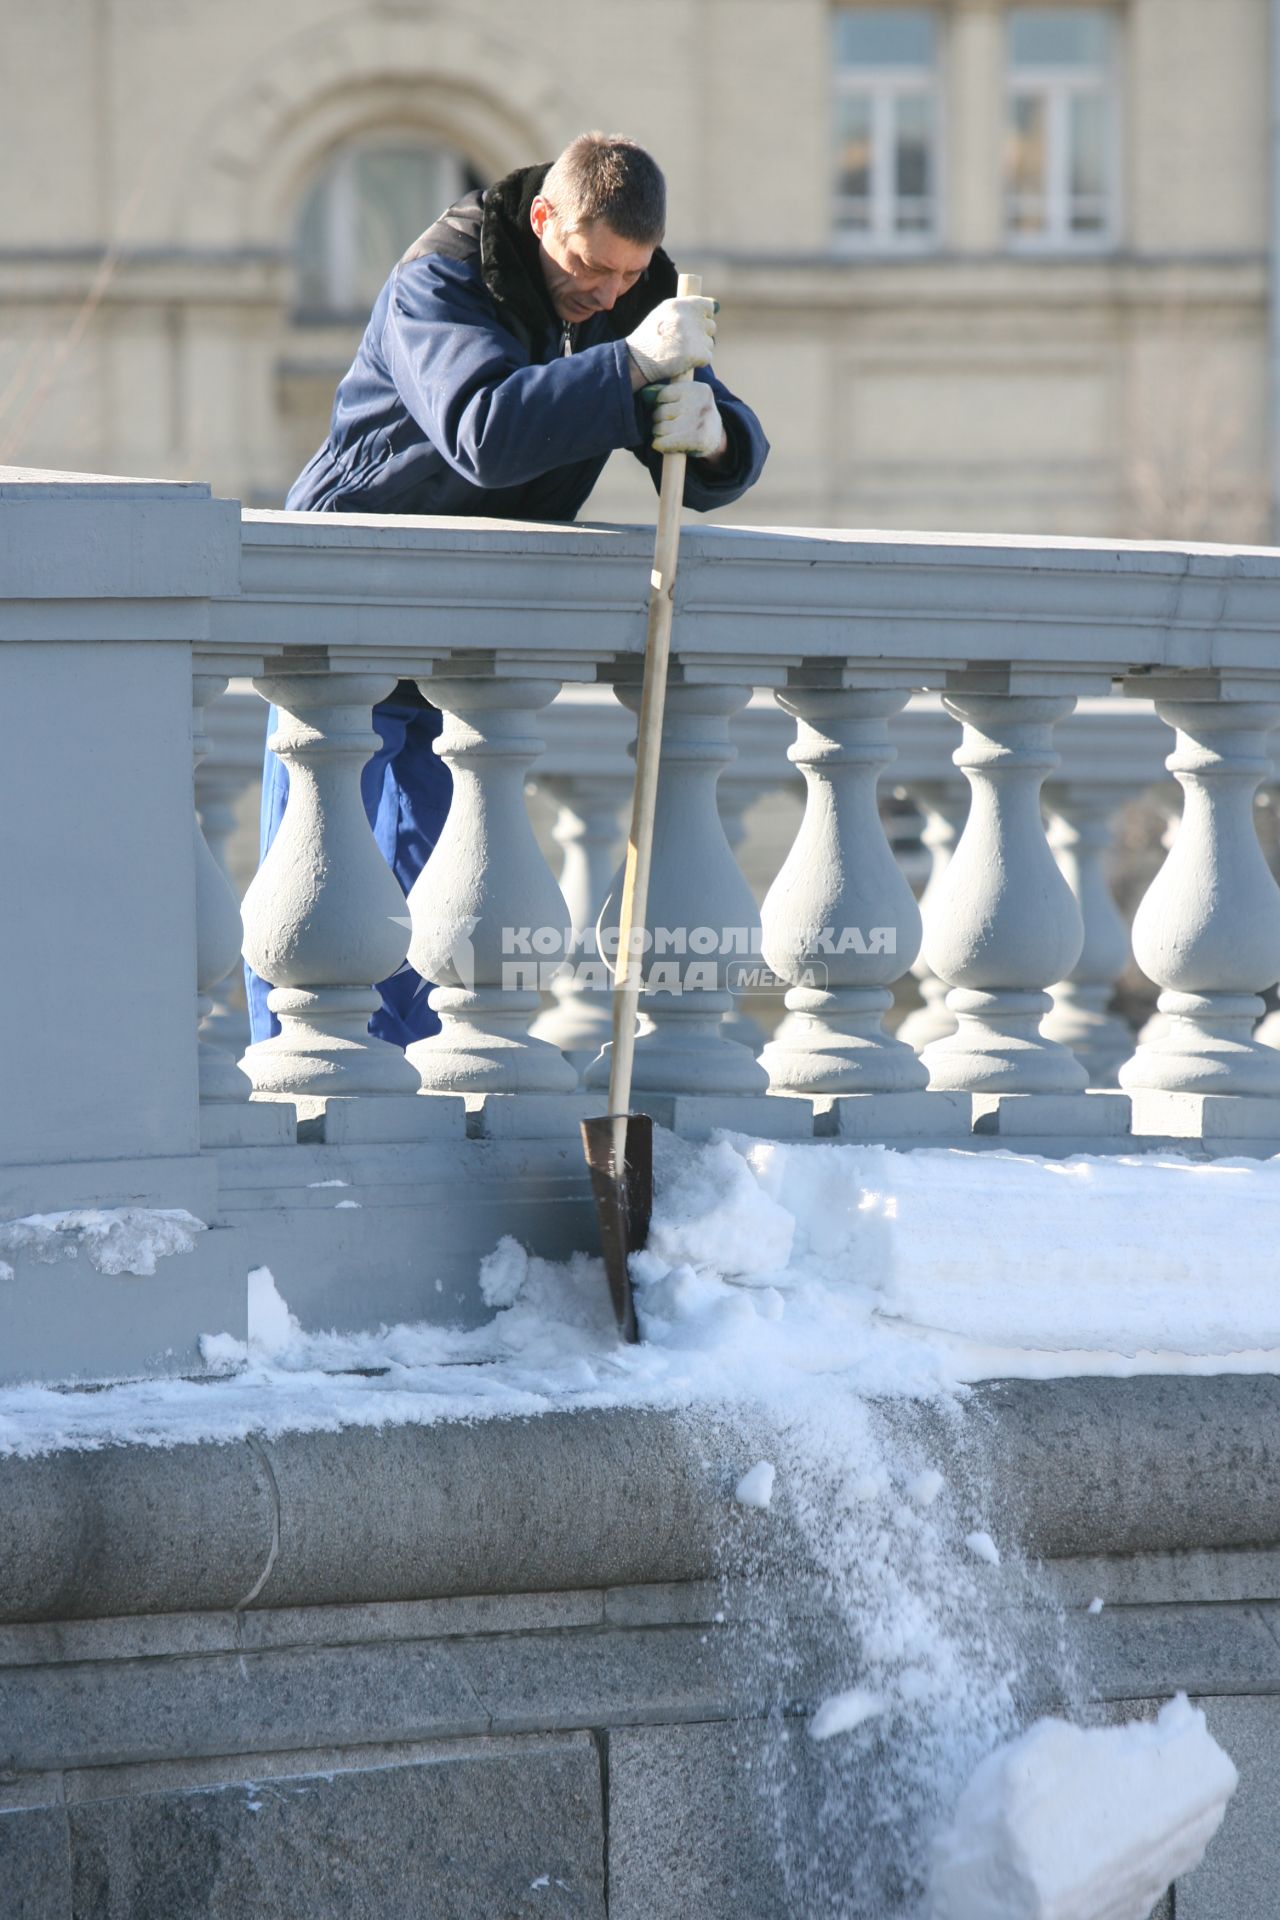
x=653, y=700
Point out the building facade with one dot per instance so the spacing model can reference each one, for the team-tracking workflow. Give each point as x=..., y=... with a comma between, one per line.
x=982, y=265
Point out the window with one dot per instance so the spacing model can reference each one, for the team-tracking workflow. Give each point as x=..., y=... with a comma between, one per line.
x=1060, y=164
x=886, y=138
x=370, y=203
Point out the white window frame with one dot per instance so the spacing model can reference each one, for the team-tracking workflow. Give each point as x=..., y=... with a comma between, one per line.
x=886, y=87
x=341, y=262
x=1058, y=86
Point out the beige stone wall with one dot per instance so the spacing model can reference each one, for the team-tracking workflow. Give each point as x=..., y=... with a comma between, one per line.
x=1124, y=394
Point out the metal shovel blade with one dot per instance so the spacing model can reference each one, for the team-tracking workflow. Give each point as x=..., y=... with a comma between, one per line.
x=624, y=1199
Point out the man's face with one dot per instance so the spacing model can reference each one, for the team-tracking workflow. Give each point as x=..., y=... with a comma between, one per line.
x=587, y=271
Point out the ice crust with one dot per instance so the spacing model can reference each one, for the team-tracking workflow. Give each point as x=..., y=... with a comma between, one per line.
x=1073, y=1823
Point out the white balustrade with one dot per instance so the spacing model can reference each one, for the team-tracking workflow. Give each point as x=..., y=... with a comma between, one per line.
x=702, y=918
x=1081, y=817
x=840, y=922
x=487, y=913
x=324, y=917
x=1003, y=923
x=1208, y=929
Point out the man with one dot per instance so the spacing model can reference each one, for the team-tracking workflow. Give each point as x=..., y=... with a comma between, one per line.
x=522, y=339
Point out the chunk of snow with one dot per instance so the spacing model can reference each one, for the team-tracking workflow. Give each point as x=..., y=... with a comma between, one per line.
x=272, y=1328
x=755, y=1489
x=503, y=1272
x=6, y=1271
x=1095, y=1605
x=983, y=1547
x=328, y=1183
x=842, y=1712
x=113, y=1239
x=346, y=1203
x=926, y=1487
x=1073, y=1823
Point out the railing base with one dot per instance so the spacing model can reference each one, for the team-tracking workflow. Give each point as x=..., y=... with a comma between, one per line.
x=1254, y=1122
x=336, y=1121
x=530, y=1116
x=933, y=1119
x=247, y=1123
x=1097, y=1114
x=766, y=1116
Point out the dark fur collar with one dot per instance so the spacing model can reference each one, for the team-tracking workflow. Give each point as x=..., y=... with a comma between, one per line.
x=512, y=272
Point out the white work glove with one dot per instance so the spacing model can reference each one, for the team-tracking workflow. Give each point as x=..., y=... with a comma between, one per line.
x=686, y=419
x=677, y=336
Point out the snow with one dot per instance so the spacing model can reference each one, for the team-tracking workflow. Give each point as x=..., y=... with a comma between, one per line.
x=112, y=1239
x=755, y=1489
x=1072, y=1823
x=808, y=1296
x=842, y=1712
x=1095, y=1605
x=769, y=1266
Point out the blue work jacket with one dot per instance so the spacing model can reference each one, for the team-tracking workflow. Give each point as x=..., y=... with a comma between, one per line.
x=467, y=394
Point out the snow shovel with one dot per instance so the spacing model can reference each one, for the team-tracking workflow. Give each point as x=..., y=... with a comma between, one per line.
x=619, y=1144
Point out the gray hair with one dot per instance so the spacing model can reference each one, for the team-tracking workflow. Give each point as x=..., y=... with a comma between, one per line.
x=604, y=176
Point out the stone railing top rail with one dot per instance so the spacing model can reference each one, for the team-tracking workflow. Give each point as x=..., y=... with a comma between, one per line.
x=787, y=604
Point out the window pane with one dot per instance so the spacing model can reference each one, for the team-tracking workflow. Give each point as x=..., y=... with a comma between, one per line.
x=399, y=191
x=1059, y=37
x=913, y=147
x=367, y=206
x=884, y=37
x=853, y=146
x=1025, y=163
x=1088, y=125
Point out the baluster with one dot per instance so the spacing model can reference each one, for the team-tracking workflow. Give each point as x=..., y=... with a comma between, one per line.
x=1168, y=798
x=1003, y=924
x=589, y=826
x=1081, y=815
x=1208, y=933
x=944, y=804
x=733, y=797
x=1268, y=1034
x=488, y=917
x=841, y=924
x=225, y=775
x=217, y=923
x=324, y=918
x=688, y=1073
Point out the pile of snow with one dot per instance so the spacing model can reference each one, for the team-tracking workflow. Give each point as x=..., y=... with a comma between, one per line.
x=1068, y=1823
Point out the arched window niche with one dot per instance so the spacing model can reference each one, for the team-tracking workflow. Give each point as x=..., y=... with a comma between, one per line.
x=370, y=199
